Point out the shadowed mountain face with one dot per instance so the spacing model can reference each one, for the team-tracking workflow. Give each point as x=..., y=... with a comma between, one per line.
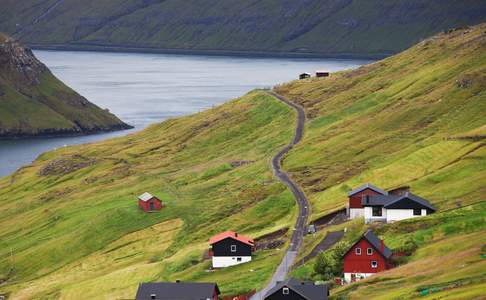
x=325, y=27
x=34, y=102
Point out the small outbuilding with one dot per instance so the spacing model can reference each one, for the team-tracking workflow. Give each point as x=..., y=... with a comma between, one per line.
x=148, y=202
x=322, y=74
x=304, y=75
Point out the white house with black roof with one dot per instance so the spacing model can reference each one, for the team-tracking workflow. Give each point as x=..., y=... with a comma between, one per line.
x=230, y=248
x=390, y=208
x=292, y=289
x=177, y=291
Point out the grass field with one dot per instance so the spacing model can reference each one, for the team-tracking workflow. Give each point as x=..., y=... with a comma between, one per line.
x=70, y=227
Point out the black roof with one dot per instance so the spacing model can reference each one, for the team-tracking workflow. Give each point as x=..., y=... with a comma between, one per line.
x=377, y=200
x=388, y=201
x=176, y=290
x=376, y=242
x=367, y=186
x=306, y=289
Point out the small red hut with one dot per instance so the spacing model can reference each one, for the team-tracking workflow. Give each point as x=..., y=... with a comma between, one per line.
x=149, y=202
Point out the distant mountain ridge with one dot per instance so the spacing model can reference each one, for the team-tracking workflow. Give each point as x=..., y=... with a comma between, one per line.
x=311, y=27
x=33, y=102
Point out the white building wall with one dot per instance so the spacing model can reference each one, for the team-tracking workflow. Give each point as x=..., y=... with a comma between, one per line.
x=368, y=215
x=228, y=261
x=356, y=213
x=402, y=214
x=347, y=276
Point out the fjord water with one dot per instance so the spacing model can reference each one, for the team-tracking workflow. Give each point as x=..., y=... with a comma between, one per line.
x=146, y=88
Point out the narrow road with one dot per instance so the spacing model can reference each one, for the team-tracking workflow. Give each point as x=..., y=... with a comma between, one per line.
x=300, y=225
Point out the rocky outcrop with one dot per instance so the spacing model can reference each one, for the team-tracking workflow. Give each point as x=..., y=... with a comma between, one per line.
x=33, y=102
x=19, y=62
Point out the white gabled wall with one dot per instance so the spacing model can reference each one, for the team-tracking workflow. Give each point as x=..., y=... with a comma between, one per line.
x=356, y=213
x=402, y=214
x=228, y=261
x=368, y=215
x=347, y=276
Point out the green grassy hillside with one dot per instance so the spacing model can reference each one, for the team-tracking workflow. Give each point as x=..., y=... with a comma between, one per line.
x=72, y=219
x=416, y=119
x=70, y=227
x=34, y=102
x=325, y=27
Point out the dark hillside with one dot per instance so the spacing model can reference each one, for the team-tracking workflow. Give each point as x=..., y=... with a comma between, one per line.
x=323, y=27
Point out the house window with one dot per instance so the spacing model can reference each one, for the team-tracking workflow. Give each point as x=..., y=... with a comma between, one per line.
x=358, y=251
x=417, y=212
x=377, y=211
x=369, y=251
x=374, y=264
x=285, y=291
x=238, y=259
x=233, y=248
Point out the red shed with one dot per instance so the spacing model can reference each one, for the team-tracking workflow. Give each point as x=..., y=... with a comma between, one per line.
x=367, y=256
x=149, y=202
x=322, y=73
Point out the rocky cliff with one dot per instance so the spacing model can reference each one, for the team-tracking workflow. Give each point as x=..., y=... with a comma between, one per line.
x=34, y=102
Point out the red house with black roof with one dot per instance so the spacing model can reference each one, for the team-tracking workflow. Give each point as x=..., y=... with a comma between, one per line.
x=230, y=248
x=366, y=257
x=356, y=208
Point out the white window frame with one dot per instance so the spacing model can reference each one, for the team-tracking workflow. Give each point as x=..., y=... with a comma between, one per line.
x=375, y=264
x=233, y=248
x=357, y=250
x=285, y=291
x=369, y=251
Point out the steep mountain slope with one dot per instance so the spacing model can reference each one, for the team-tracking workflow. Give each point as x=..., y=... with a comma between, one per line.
x=70, y=227
x=416, y=119
x=73, y=222
x=34, y=102
x=329, y=27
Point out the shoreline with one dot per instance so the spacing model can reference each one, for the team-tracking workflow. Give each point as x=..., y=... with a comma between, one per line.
x=234, y=53
x=63, y=133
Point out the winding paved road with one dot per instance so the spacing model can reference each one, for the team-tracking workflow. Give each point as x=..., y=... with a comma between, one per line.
x=298, y=234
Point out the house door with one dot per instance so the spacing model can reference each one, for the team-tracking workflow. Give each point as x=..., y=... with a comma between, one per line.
x=152, y=205
x=353, y=277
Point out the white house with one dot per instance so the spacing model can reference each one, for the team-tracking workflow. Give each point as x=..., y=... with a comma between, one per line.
x=230, y=249
x=390, y=208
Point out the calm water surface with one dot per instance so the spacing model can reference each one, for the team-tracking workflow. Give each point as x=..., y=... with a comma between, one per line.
x=146, y=88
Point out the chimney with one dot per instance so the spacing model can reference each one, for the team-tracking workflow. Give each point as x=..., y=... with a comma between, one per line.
x=153, y=296
x=382, y=246
x=236, y=234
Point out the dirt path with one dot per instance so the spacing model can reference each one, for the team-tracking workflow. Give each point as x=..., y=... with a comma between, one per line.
x=300, y=225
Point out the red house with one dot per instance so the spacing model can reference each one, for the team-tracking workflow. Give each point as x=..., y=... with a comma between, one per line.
x=148, y=202
x=356, y=209
x=367, y=256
